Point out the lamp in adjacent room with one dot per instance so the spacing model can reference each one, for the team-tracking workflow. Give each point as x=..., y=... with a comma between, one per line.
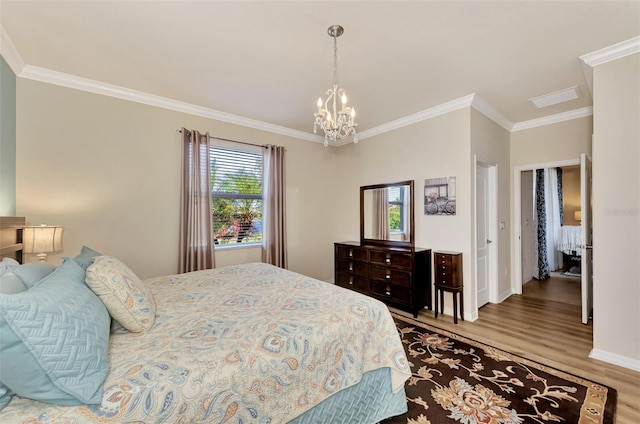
x=577, y=216
x=41, y=240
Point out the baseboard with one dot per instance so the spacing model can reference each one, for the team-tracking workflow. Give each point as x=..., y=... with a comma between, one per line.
x=615, y=359
x=504, y=295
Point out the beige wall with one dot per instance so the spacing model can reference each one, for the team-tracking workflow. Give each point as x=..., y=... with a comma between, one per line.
x=559, y=142
x=7, y=140
x=109, y=171
x=490, y=145
x=570, y=194
x=552, y=143
x=438, y=147
x=526, y=225
x=616, y=206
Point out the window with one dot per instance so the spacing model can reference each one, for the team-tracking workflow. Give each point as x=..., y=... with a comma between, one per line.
x=396, y=209
x=236, y=195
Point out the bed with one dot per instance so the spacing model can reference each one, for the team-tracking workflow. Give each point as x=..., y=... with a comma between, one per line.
x=245, y=344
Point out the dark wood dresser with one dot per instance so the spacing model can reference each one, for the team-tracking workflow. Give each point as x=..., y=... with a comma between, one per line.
x=398, y=276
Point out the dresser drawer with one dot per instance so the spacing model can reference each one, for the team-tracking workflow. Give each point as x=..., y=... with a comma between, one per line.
x=353, y=282
x=350, y=252
x=397, y=259
x=392, y=292
x=353, y=267
x=396, y=276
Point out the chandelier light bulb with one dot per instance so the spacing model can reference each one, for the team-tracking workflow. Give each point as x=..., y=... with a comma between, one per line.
x=336, y=124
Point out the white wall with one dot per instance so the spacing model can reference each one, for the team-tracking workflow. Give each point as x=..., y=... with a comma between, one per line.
x=108, y=170
x=616, y=216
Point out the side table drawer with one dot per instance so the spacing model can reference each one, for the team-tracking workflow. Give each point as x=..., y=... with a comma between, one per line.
x=449, y=279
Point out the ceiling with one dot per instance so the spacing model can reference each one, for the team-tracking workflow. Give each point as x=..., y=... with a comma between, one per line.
x=269, y=61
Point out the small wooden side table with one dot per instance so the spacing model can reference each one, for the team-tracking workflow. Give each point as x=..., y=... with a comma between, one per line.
x=448, y=277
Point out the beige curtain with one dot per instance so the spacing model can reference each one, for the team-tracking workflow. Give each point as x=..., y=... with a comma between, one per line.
x=274, y=242
x=196, y=227
x=381, y=214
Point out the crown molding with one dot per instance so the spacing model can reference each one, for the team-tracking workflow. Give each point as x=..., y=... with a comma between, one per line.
x=487, y=110
x=58, y=78
x=432, y=112
x=553, y=119
x=607, y=54
x=10, y=53
x=613, y=52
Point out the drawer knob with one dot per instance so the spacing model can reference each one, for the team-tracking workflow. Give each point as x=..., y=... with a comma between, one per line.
x=351, y=253
x=388, y=291
x=350, y=266
x=351, y=281
x=388, y=276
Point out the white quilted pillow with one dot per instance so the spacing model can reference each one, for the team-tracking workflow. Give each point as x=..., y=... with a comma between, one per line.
x=127, y=299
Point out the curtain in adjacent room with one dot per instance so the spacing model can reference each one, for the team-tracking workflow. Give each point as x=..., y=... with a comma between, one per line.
x=274, y=243
x=381, y=214
x=196, y=227
x=541, y=266
x=560, y=201
x=547, y=218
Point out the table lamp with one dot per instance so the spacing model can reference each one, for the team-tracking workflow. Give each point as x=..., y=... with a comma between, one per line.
x=42, y=240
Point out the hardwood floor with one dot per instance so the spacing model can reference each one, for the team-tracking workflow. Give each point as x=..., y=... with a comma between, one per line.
x=551, y=333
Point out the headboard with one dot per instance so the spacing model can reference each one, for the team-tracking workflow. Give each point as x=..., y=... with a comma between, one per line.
x=11, y=237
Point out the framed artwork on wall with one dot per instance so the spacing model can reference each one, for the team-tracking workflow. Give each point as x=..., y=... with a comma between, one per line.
x=440, y=196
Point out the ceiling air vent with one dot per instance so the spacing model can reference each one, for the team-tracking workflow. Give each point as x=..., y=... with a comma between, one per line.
x=556, y=97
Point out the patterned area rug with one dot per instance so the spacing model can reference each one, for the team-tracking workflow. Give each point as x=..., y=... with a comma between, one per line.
x=459, y=380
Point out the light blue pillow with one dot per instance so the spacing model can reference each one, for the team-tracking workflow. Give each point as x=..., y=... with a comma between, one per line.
x=54, y=340
x=5, y=395
x=10, y=283
x=85, y=258
x=33, y=272
x=7, y=265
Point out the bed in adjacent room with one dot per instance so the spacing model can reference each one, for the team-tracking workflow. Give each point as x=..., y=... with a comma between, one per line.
x=241, y=344
x=570, y=244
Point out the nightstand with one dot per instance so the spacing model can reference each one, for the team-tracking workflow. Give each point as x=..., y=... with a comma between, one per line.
x=448, y=277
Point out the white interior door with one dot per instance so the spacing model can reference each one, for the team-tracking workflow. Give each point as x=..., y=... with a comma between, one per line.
x=587, y=239
x=482, y=234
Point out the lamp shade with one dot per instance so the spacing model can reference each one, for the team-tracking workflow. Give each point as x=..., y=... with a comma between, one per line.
x=577, y=215
x=42, y=239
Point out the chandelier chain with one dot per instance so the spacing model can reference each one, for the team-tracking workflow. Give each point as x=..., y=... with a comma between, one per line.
x=335, y=60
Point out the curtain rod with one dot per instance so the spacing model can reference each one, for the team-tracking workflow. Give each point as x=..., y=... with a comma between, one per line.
x=234, y=141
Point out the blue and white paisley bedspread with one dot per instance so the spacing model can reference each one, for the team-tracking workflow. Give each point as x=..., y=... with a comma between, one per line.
x=244, y=344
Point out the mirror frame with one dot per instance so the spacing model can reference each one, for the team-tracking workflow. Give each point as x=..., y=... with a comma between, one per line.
x=397, y=243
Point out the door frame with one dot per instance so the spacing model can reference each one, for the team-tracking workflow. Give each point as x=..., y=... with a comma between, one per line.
x=516, y=264
x=492, y=232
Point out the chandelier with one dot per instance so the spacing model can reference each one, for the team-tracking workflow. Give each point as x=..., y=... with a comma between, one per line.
x=336, y=124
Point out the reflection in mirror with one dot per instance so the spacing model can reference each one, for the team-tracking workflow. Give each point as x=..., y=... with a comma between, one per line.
x=387, y=214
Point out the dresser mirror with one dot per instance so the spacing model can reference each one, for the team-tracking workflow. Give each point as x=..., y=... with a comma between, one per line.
x=386, y=214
